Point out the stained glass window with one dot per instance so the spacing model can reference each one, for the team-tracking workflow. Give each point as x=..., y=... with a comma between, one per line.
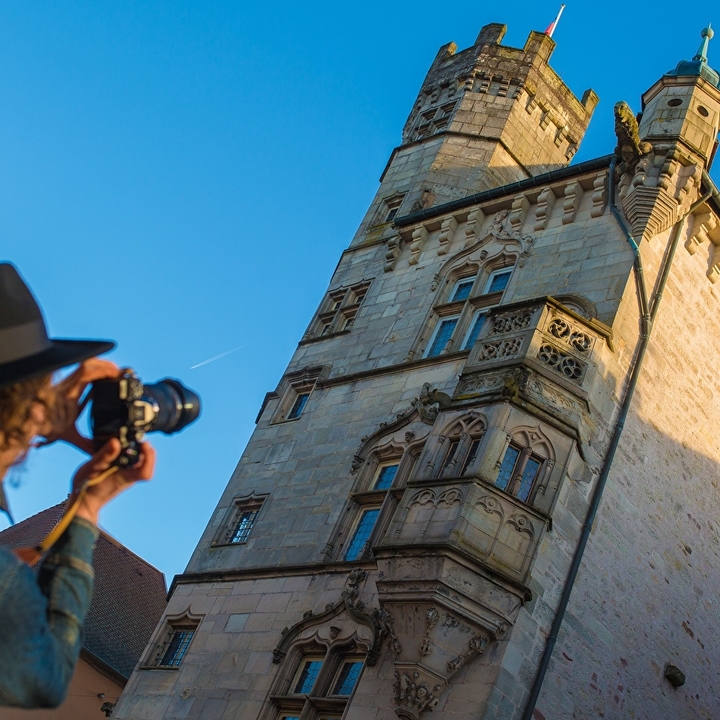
x=308, y=676
x=442, y=336
x=362, y=534
x=347, y=678
x=298, y=406
x=498, y=281
x=177, y=647
x=385, y=477
x=244, y=525
x=507, y=467
x=472, y=336
x=463, y=289
x=528, y=478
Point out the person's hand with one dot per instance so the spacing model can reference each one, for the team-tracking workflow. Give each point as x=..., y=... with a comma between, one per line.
x=98, y=495
x=61, y=425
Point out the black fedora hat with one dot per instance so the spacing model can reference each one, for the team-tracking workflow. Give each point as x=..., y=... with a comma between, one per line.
x=26, y=351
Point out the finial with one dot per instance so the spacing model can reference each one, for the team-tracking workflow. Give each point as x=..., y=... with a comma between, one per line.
x=706, y=35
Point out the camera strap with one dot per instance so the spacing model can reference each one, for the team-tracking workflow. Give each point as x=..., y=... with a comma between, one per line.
x=31, y=555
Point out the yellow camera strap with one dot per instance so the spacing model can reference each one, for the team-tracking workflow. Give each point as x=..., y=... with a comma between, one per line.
x=31, y=555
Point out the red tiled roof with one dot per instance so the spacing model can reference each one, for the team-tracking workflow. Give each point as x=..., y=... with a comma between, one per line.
x=129, y=596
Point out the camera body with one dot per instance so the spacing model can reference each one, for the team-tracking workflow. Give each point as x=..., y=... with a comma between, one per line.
x=127, y=409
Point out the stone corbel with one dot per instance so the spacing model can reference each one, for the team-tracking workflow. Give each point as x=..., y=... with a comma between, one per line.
x=573, y=196
x=703, y=223
x=419, y=238
x=394, y=245
x=447, y=233
x=545, y=203
x=599, y=196
x=518, y=212
x=449, y=643
x=474, y=223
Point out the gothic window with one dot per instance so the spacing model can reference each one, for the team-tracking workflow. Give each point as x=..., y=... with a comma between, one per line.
x=240, y=521
x=460, y=446
x=519, y=471
x=392, y=205
x=337, y=312
x=295, y=399
x=358, y=545
x=321, y=685
x=173, y=642
x=378, y=488
x=524, y=464
x=462, y=308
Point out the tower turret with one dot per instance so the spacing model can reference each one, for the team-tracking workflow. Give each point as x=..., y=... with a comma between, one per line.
x=679, y=126
x=484, y=117
x=683, y=107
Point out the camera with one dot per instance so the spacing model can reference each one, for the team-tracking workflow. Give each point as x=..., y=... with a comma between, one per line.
x=127, y=409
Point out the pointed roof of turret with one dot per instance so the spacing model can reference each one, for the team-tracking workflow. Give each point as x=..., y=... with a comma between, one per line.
x=698, y=66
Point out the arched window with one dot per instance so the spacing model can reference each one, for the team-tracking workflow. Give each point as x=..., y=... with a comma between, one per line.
x=469, y=291
x=461, y=446
x=525, y=463
x=383, y=466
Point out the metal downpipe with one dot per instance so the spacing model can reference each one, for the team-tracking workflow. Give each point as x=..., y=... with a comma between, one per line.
x=648, y=312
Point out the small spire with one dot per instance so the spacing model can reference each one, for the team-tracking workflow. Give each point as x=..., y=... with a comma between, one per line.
x=707, y=36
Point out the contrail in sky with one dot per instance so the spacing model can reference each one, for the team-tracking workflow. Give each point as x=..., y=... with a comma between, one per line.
x=217, y=357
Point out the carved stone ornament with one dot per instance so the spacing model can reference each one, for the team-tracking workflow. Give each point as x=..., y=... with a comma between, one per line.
x=450, y=641
x=656, y=185
x=378, y=620
x=630, y=148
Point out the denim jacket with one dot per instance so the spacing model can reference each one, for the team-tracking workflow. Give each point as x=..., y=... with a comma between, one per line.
x=41, y=617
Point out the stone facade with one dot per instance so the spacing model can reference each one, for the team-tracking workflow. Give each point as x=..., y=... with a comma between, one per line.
x=410, y=504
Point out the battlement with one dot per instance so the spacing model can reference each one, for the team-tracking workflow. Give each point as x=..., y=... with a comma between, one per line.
x=503, y=94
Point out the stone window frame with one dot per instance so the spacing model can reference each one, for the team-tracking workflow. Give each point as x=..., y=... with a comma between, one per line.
x=531, y=443
x=467, y=311
x=319, y=702
x=461, y=443
x=366, y=497
x=337, y=312
x=239, y=506
x=391, y=206
x=297, y=389
x=164, y=635
x=465, y=429
x=434, y=120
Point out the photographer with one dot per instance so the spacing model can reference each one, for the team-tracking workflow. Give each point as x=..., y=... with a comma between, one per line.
x=41, y=613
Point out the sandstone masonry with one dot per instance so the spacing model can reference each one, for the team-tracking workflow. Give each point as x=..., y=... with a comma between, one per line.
x=397, y=536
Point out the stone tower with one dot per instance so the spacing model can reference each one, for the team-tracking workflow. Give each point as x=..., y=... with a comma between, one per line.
x=484, y=117
x=511, y=353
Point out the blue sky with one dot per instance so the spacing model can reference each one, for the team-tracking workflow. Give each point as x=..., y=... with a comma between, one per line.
x=181, y=177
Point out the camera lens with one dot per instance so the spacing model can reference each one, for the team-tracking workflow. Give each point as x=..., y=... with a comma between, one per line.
x=175, y=405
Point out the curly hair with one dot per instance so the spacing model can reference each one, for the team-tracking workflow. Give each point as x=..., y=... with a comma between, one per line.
x=16, y=406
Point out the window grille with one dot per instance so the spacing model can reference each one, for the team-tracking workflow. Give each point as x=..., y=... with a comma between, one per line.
x=442, y=336
x=518, y=471
x=308, y=676
x=172, y=651
x=244, y=526
x=347, y=678
x=298, y=406
x=356, y=548
x=385, y=477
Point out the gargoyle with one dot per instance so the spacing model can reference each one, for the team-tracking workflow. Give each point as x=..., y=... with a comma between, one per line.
x=629, y=148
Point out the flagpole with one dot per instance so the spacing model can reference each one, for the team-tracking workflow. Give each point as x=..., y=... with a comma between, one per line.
x=552, y=27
